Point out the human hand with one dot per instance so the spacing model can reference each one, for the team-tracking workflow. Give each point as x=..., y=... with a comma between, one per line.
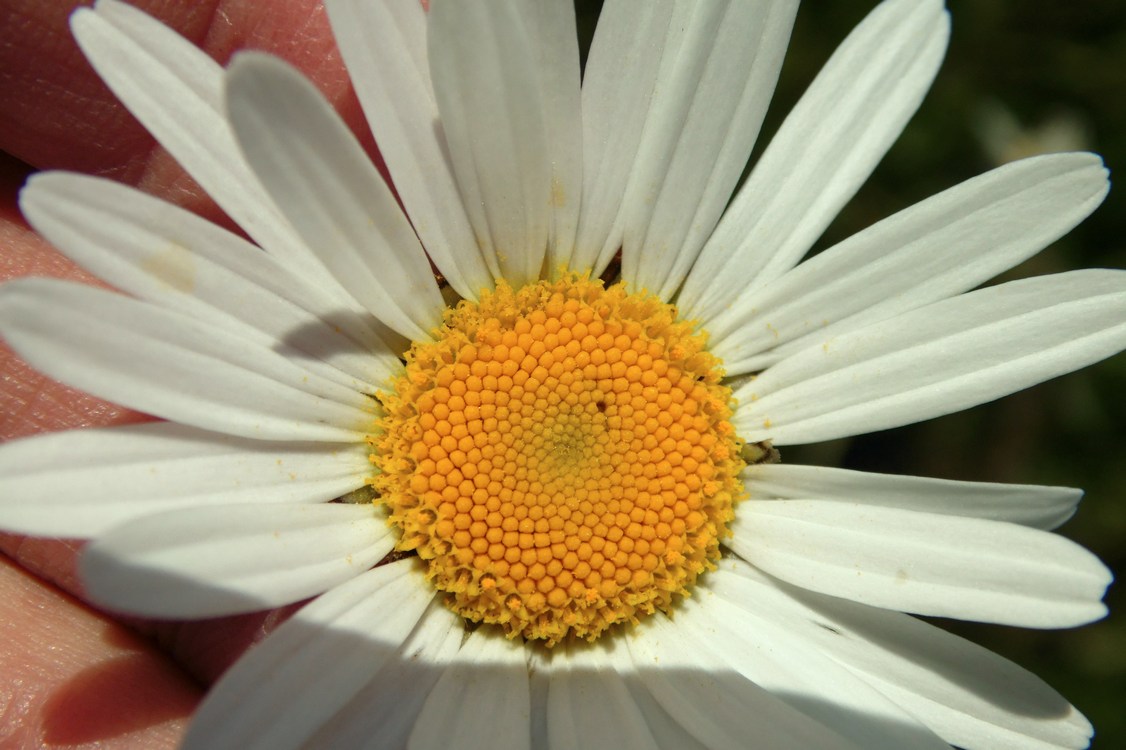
x=75, y=676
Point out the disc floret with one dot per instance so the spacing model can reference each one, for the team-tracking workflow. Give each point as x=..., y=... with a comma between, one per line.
x=561, y=457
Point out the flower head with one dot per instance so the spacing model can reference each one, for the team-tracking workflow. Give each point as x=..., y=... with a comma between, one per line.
x=563, y=523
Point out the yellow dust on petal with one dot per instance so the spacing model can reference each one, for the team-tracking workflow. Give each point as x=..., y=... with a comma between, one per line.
x=561, y=457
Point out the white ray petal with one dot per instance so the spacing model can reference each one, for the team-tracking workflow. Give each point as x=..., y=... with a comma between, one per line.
x=754, y=644
x=618, y=83
x=970, y=696
x=717, y=706
x=487, y=84
x=174, y=89
x=938, y=359
x=828, y=145
x=233, y=558
x=83, y=482
x=666, y=731
x=1031, y=505
x=383, y=713
x=172, y=366
x=317, y=172
x=482, y=699
x=551, y=24
x=286, y=687
x=943, y=246
x=588, y=701
x=716, y=74
x=948, y=566
x=171, y=257
x=384, y=46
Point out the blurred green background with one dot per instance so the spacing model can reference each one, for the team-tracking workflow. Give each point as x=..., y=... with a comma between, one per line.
x=1020, y=77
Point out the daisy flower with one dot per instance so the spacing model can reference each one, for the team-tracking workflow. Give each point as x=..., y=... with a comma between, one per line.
x=548, y=378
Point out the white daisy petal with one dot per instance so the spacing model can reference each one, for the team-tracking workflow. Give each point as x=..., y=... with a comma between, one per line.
x=618, y=82
x=716, y=74
x=552, y=25
x=604, y=706
x=828, y=145
x=314, y=663
x=1031, y=505
x=488, y=86
x=756, y=646
x=588, y=701
x=970, y=696
x=171, y=257
x=316, y=171
x=384, y=46
x=174, y=89
x=968, y=568
x=383, y=713
x=83, y=482
x=943, y=246
x=233, y=558
x=938, y=359
x=719, y=707
x=481, y=701
x=668, y=734
x=172, y=366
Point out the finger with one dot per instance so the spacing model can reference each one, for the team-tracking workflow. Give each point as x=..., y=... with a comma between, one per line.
x=75, y=678
x=55, y=113
x=203, y=648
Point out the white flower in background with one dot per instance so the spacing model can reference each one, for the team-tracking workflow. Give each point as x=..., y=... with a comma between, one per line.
x=565, y=457
x=1004, y=138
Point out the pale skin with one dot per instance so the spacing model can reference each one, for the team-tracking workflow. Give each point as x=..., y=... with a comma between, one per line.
x=71, y=675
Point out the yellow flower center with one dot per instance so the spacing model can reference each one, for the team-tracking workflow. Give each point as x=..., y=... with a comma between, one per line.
x=561, y=458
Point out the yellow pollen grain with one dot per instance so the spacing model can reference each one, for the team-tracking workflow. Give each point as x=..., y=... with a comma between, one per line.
x=561, y=457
